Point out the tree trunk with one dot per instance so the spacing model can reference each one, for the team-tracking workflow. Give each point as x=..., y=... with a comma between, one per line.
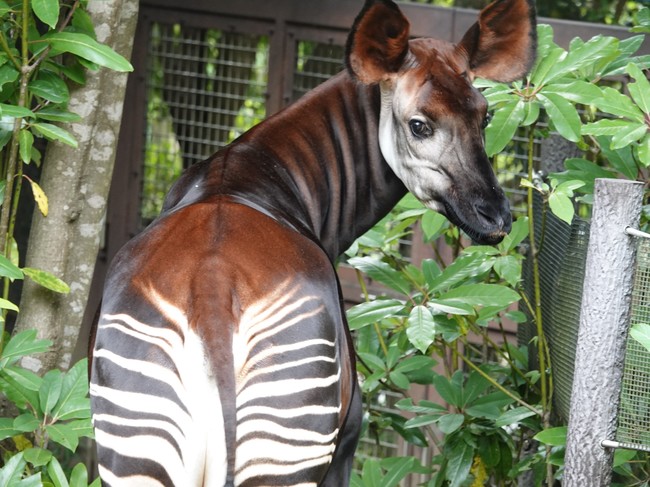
x=77, y=181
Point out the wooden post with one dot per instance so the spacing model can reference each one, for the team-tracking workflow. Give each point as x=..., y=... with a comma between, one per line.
x=604, y=322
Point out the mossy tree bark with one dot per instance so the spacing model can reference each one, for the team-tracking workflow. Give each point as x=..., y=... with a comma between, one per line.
x=77, y=181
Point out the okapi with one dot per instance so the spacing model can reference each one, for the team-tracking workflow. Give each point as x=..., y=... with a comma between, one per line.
x=222, y=354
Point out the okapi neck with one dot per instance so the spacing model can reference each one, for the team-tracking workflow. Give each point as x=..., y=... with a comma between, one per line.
x=315, y=166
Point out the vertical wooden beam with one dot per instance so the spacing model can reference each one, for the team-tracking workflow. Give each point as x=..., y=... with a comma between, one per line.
x=604, y=321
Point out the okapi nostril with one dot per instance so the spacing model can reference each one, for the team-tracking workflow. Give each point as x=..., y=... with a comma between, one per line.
x=490, y=215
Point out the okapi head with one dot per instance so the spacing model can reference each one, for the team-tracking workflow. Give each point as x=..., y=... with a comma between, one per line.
x=432, y=118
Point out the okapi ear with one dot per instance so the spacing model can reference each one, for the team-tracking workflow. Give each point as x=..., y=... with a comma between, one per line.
x=501, y=45
x=378, y=42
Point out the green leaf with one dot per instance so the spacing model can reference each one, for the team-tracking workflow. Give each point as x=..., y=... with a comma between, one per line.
x=444, y=307
x=640, y=89
x=585, y=54
x=50, y=87
x=12, y=471
x=399, y=379
x=482, y=295
x=545, y=66
x=513, y=416
x=563, y=114
x=425, y=419
x=467, y=265
x=47, y=280
x=8, y=74
x=423, y=407
x=26, y=141
x=26, y=423
x=399, y=468
x=643, y=151
x=4, y=8
x=474, y=386
x=623, y=139
x=641, y=333
x=73, y=402
x=21, y=386
x=562, y=207
x=74, y=71
x=7, y=429
x=503, y=126
x=489, y=406
x=52, y=132
x=606, y=127
x=450, y=423
x=568, y=187
x=545, y=42
x=448, y=390
x=366, y=313
x=489, y=450
x=509, y=269
x=50, y=390
x=371, y=472
x=531, y=113
x=416, y=362
x=38, y=457
x=585, y=171
x=433, y=224
x=373, y=361
x=421, y=330
x=68, y=434
x=79, y=476
x=576, y=91
x=621, y=159
x=431, y=271
x=54, y=114
x=6, y=304
x=517, y=235
x=8, y=269
x=616, y=103
x=87, y=48
x=47, y=11
x=22, y=344
x=382, y=272
x=56, y=473
x=499, y=94
x=623, y=456
x=460, y=456
x=552, y=436
x=82, y=22
x=15, y=111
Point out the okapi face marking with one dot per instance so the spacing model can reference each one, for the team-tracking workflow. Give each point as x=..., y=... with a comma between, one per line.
x=432, y=118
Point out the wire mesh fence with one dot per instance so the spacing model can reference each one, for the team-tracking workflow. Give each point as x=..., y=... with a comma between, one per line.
x=634, y=409
x=204, y=87
x=562, y=256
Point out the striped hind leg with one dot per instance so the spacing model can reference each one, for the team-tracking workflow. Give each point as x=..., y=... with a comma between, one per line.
x=162, y=422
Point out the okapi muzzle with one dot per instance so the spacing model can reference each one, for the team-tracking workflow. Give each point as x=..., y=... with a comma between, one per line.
x=222, y=355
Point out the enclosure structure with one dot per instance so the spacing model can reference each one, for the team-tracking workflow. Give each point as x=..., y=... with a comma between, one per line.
x=205, y=71
x=604, y=321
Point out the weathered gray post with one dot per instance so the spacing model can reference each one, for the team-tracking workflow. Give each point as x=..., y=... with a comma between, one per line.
x=604, y=321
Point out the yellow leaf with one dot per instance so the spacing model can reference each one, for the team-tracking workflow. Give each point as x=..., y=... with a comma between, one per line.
x=479, y=473
x=22, y=443
x=40, y=197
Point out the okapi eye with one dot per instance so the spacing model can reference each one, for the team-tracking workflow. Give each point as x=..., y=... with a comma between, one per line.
x=487, y=120
x=419, y=128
